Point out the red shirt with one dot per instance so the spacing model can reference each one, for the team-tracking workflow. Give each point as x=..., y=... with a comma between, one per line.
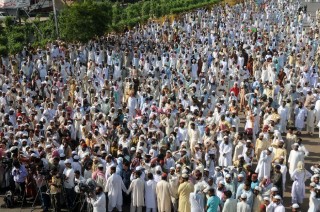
x=235, y=90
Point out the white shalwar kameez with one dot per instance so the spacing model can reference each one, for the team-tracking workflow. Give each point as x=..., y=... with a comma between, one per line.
x=150, y=195
x=264, y=165
x=225, y=158
x=298, y=186
x=114, y=188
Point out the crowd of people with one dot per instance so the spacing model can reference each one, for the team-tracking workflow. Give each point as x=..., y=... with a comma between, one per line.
x=202, y=113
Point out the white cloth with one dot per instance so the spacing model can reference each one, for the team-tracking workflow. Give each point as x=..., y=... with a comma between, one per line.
x=137, y=189
x=114, y=188
x=294, y=158
x=298, y=186
x=264, y=165
x=314, y=203
x=69, y=181
x=196, y=202
x=243, y=207
x=150, y=194
x=99, y=203
x=225, y=158
x=230, y=205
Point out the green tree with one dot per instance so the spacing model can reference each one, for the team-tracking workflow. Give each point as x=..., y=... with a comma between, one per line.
x=81, y=22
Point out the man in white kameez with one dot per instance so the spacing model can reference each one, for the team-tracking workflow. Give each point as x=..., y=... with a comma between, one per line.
x=283, y=112
x=99, y=202
x=311, y=120
x=137, y=196
x=294, y=157
x=300, y=117
x=264, y=163
x=114, y=188
x=225, y=149
x=150, y=194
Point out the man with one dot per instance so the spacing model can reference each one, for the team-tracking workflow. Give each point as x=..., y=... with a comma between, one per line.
x=261, y=145
x=264, y=164
x=99, y=201
x=279, y=151
x=55, y=190
x=311, y=120
x=114, y=188
x=277, y=205
x=150, y=194
x=68, y=174
x=137, y=195
x=247, y=191
x=164, y=194
x=184, y=190
x=283, y=171
x=213, y=202
x=283, y=112
x=295, y=207
x=19, y=173
x=200, y=184
x=196, y=201
x=294, y=157
x=174, y=185
x=257, y=199
x=243, y=206
x=229, y=184
x=300, y=117
x=225, y=149
x=230, y=203
x=277, y=179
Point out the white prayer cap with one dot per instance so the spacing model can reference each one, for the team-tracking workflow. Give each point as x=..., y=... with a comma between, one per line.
x=266, y=198
x=228, y=175
x=67, y=161
x=270, y=149
x=138, y=168
x=295, y=144
x=240, y=156
x=316, y=175
x=76, y=157
x=257, y=188
x=74, y=152
x=243, y=196
x=240, y=175
x=221, y=182
x=277, y=197
x=133, y=149
x=178, y=165
x=249, y=141
x=63, y=155
x=274, y=189
x=100, y=165
x=312, y=184
x=211, y=152
x=172, y=168
x=48, y=146
x=184, y=176
x=261, y=134
x=295, y=205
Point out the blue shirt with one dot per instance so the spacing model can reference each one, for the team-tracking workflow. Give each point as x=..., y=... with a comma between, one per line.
x=20, y=174
x=213, y=204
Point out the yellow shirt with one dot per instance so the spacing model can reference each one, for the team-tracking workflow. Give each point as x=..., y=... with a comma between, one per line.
x=55, y=189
